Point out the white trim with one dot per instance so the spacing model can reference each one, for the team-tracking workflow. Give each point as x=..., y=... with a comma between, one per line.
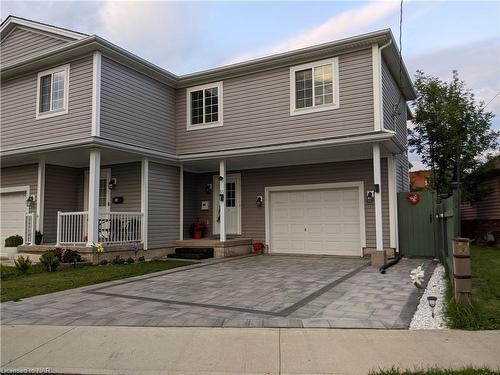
x=61, y=111
x=145, y=200
x=16, y=189
x=334, y=61
x=378, y=119
x=42, y=27
x=96, y=94
x=40, y=195
x=215, y=179
x=93, y=196
x=336, y=185
x=181, y=202
x=393, y=203
x=377, y=179
x=222, y=191
x=205, y=125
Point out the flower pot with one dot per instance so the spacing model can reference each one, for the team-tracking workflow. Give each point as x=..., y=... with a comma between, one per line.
x=197, y=234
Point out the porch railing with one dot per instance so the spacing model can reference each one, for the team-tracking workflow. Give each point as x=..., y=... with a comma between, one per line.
x=113, y=227
x=29, y=228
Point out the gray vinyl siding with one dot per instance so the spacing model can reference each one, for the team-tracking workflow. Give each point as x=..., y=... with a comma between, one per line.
x=128, y=186
x=254, y=181
x=256, y=110
x=163, y=205
x=136, y=109
x=25, y=175
x=20, y=128
x=61, y=194
x=402, y=173
x=21, y=43
x=392, y=96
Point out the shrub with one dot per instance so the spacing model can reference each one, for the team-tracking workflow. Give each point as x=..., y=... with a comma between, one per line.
x=103, y=262
x=71, y=256
x=130, y=260
x=118, y=260
x=141, y=259
x=13, y=241
x=50, y=261
x=22, y=264
x=38, y=237
x=58, y=252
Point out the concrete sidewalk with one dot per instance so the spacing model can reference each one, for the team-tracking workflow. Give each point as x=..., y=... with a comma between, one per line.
x=155, y=350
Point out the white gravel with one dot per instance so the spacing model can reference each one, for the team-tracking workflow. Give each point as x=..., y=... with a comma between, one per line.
x=423, y=316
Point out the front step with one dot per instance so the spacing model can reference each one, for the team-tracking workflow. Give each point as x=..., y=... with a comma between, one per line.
x=192, y=253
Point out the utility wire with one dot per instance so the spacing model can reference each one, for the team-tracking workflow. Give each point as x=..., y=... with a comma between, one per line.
x=491, y=99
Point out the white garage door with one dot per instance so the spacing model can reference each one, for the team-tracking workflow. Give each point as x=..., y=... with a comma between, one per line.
x=12, y=210
x=325, y=221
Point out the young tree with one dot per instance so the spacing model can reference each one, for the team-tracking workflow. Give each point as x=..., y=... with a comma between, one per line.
x=451, y=131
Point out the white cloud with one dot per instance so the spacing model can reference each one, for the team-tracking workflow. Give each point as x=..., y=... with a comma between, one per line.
x=345, y=24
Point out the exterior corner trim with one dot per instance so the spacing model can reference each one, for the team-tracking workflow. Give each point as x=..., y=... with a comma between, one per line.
x=96, y=94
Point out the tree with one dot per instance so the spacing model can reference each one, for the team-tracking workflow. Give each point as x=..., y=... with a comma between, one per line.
x=451, y=133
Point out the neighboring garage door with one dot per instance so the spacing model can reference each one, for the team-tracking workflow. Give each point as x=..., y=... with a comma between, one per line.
x=12, y=210
x=316, y=221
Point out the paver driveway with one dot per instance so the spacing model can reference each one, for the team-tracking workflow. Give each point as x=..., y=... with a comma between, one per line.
x=262, y=291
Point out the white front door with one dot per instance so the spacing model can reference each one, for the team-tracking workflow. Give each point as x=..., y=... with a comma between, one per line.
x=233, y=203
x=104, y=192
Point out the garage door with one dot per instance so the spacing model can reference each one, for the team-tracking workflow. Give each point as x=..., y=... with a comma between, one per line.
x=12, y=210
x=325, y=221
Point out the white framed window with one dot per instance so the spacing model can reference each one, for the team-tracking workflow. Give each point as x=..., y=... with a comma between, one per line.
x=314, y=86
x=204, y=106
x=52, y=92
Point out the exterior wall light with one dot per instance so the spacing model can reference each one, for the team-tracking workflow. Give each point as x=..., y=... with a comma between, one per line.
x=370, y=195
x=112, y=183
x=259, y=200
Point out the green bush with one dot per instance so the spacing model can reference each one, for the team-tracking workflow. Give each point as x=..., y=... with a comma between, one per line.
x=13, y=241
x=58, y=252
x=118, y=260
x=141, y=259
x=38, y=237
x=70, y=256
x=130, y=260
x=22, y=264
x=103, y=262
x=50, y=261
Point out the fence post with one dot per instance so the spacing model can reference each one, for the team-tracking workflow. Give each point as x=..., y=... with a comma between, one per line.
x=462, y=271
x=58, y=237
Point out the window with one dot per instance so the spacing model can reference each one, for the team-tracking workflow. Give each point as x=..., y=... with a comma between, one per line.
x=204, y=106
x=53, y=92
x=314, y=87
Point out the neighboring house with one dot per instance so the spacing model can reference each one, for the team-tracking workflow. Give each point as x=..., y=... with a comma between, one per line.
x=304, y=150
x=419, y=180
x=482, y=217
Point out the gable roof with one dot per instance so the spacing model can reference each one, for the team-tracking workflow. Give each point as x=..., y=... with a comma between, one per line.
x=12, y=21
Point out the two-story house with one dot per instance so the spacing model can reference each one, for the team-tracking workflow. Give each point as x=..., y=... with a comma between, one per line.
x=304, y=150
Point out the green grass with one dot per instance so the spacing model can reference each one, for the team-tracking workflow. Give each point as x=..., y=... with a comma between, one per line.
x=465, y=371
x=15, y=286
x=484, y=313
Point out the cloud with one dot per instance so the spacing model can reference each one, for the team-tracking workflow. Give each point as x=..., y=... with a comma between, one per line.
x=342, y=25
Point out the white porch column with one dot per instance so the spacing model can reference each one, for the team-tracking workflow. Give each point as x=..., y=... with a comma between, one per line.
x=40, y=195
x=377, y=180
x=181, y=203
x=93, y=199
x=222, y=201
x=393, y=203
x=145, y=201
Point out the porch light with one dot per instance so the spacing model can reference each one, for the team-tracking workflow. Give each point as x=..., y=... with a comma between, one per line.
x=208, y=188
x=432, y=303
x=112, y=183
x=369, y=196
x=221, y=178
x=259, y=200
x=30, y=200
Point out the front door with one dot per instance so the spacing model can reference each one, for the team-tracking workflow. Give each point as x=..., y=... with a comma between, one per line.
x=233, y=203
x=104, y=192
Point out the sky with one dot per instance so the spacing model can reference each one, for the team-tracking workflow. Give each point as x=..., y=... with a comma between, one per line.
x=184, y=37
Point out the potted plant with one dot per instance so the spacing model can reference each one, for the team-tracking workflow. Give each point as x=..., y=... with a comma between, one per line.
x=198, y=229
x=258, y=247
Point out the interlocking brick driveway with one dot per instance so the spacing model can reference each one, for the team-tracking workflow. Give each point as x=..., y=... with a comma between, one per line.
x=262, y=291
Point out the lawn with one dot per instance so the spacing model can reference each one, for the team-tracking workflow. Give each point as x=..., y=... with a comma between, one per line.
x=15, y=286
x=484, y=313
x=466, y=371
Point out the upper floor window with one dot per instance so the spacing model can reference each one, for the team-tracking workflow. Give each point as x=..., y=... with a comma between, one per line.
x=53, y=92
x=204, y=106
x=314, y=86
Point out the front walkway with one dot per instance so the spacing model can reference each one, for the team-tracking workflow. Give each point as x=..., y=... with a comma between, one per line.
x=160, y=350
x=256, y=291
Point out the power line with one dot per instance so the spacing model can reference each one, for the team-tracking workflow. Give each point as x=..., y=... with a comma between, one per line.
x=491, y=100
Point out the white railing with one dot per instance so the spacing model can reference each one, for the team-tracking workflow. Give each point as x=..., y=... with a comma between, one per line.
x=113, y=227
x=120, y=227
x=72, y=227
x=29, y=228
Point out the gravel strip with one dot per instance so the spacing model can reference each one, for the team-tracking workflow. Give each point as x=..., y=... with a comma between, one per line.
x=423, y=316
